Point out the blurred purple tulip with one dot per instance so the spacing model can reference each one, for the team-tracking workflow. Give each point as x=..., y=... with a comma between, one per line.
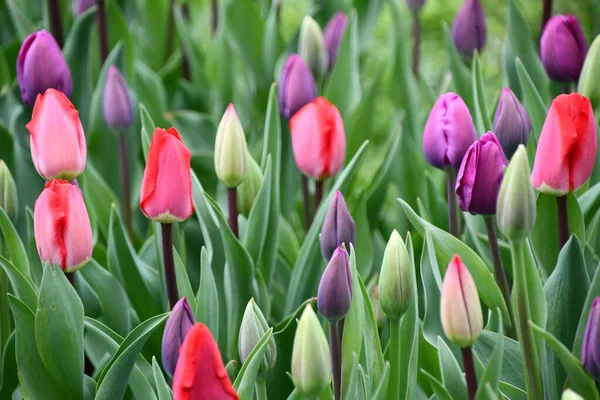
x=334, y=33
x=335, y=289
x=590, y=350
x=338, y=227
x=469, y=28
x=116, y=104
x=178, y=325
x=296, y=86
x=415, y=5
x=82, y=5
x=563, y=48
x=511, y=123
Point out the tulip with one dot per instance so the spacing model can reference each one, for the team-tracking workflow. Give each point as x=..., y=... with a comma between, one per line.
x=8, y=192
x=395, y=287
x=296, y=86
x=334, y=33
x=311, y=47
x=563, y=48
x=590, y=350
x=570, y=395
x=178, y=325
x=253, y=327
x=58, y=147
x=249, y=188
x=200, y=373
x=449, y=132
x=42, y=66
x=116, y=103
x=511, y=123
x=589, y=86
x=166, y=194
x=480, y=176
x=338, y=227
x=61, y=225
x=567, y=147
x=318, y=139
x=231, y=153
x=415, y=5
x=335, y=289
x=469, y=28
x=82, y=5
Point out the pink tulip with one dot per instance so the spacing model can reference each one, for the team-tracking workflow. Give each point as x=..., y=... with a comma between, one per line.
x=58, y=147
x=63, y=234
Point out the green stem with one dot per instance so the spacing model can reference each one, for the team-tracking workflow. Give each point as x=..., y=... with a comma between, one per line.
x=394, y=358
x=261, y=389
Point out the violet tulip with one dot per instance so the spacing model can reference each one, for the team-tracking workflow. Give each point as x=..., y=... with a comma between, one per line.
x=590, y=350
x=563, y=48
x=469, y=28
x=296, y=86
x=338, y=227
x=333, y=34
x=511, y=123
x=82, y=5
x=178, y=325
x=335, y=288
x=116, y=104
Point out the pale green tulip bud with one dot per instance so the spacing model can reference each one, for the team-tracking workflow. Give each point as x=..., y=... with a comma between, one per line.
x=311, y=47
x=395, y=287
x=589, y=85
x=570, y=395
x=231, y=153
x=254, y=326
x=8, y=192
x=249, y=188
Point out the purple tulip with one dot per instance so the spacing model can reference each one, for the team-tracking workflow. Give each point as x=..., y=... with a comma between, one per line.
x=41, y=66
x=338, y=227
x=415, y=5
x=296, y=86
x=563, y=48
x=511, y=123
x=335, y=289
x=82, y=5
x=334, y=33
x=480, y=175
x=590, y=351
x=179, y=323
x=449, y=132
x=469, y=29
x=116, y=104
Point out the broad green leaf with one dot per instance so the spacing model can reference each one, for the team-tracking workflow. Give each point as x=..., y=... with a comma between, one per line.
x=244, y=383
x=163, y=389
x=593, y=292
x=207, y=298
x=590, y=203
x=432, y=284
x=16, y=250
x=150, y=90
x=491, y=378
x=23, y=289
x=89, y=388
x=512, y=363
x=440, y=390
x=99, y=197
x=451, y=372
x=372, y=354
x=482, y=114
x=23, y=25
x=364, y=239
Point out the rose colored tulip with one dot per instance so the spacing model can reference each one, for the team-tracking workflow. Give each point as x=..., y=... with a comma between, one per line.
x=62, y=230
x=57, y=142
x=116, y=104
x=338, y=227
x=469, y=28
x=511, y=123
x=167, y=184
x=296, y=86
x=178, y=325
x=590, y=350
x=318, y=139
x=334, y=33
x=567, y=148
x=335, y=288
x=82, y=5
x=563, y=48
x=42, y=66
x=200, y=373
x=449, y=132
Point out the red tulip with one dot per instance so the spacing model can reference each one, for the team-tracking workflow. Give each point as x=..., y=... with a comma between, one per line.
x=567, y=147
x=167, y=184
x=200, y=373
x=318, y=139
x=57, y=141
x=62, y=226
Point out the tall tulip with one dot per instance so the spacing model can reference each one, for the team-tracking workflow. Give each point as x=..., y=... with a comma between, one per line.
x=563, y=48
x=296, y=86
x=469, y=29
x=116, y=104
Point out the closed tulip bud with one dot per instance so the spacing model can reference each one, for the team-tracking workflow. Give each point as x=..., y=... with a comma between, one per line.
x=253, y=327
x=589, y=86
x=570, y=395
x=469, y=28
x=311, y=365
x=296, y=86
x=449, y=132
x=166, y=194
x=480, y=175
x=567, y=147
x=460, y=309
x=311, y=47
x=248, y=189
x=415, y=5
x=178, y=325
x=511, y=123
x=563, y=48
x=61, y=226
x=231, y=152
x=200, y=373
x=338, y=227
x=57, y=141
x=8, y=192
x=335, y=289
x=334, y=33
x=116, y=104
x=42, y=66
x=82, y=5
x=395, y=286
x=318, y=139
x=590, y=350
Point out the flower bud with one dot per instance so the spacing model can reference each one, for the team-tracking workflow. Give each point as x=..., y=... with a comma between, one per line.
x=8, y=192
x=590, y=349
x=116, y=104
x=335, y=289
x=296, y=86
x=570, y=395
x=338, y=227
x=480, y=175
x=311, y=46
x=511, y=123
x=589, y=86
x=563, y=48
x=469, y=28
x=82, y=5
x=253, y=327
x=178, y=325
x=231, y=152
x=460, y=310
x=395, y=286
x=311, y=364
x=415, y=5
x=334, y=33
x=248, y=189
x=42, y=66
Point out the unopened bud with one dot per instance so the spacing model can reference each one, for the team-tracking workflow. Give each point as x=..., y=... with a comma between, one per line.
x=395, y=286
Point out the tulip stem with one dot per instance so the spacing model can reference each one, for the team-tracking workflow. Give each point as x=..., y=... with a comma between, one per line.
x=125, y=182
x=336, y=358
x=55, y=21
x=233, y=210
x=467, y=356
x=546, y=14
x=306, y=201
x=563, y=220
x=170, y=277
x=214, y=16
x=318, y=194
x=416, y=50
x=70, y=277
x=185, y=62
x=261, y=389
x=393, y=392
x=500, y=273
x=170, y=30
x=452, y=214
x=102, y=32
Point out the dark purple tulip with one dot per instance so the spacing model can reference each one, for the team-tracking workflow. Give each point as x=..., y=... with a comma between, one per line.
x=449, y=132
x=590, y=351
x=296, y=86
x=334, y=33
x=415, y=5
x=338, y=227
x=511, y=123
x=335, y=289
x=480, y=176
x=116, y=104
x=82, y=5
x=178, y=324
x=41, y=66
x=563, y=48
x=469, y=29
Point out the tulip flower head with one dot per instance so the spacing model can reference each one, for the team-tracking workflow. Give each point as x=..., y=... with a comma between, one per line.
x=590, y=350
x=318, y=139
x=567, y=147
x=61, y=225
x=82, y=5
x=166, y=194
x=8, y=192
x=334, y=33
x=511, y=123
x=296, y=86
x=563, y=48
x=338, y=227
x=253, y=327
x=469, y=28
x=116, y=104
x=395, y=286
x=200, y=373
x=178, y=325
x=335, y=289
x=231, y=152
x=311, y=46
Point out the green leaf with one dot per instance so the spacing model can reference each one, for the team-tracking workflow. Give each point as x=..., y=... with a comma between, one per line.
x=432, y=284
x=373, y=356
x=23, y=289
x=441, y=392
x=482, y=114
x=23, y=25
x=99, y=197
x=381, y=389
x=8, y=379
x=451, y=372
x=35, y=264
x=207, y=298
x=16, y=250
x=245, y=380
x=364, y=239
x=148, y=127
x=89, y=388
x=534, y=104
x=163, y=389
x=184, y=287
x=461, y=76
x=491, y=377
x=512, y=363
